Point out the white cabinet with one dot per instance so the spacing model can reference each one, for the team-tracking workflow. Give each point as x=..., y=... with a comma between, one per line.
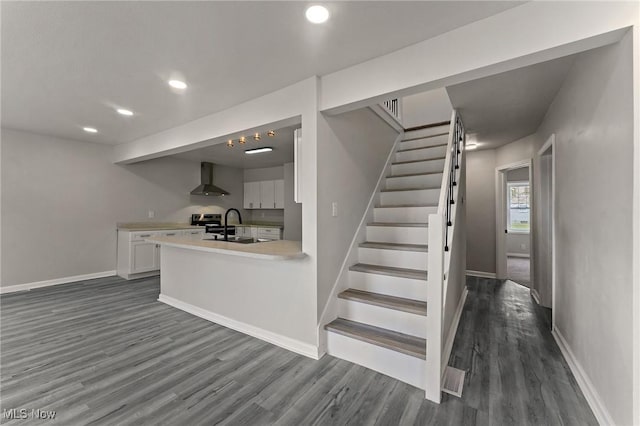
x=279, y=193
x=145, y=257
x=137, y=257
x=252, y=195
x=270, y=233
x=266, y=194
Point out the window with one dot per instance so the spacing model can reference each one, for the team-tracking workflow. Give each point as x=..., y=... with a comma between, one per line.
x=518, y=211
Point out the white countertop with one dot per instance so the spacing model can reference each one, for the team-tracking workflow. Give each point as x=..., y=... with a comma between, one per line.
x=271, y=250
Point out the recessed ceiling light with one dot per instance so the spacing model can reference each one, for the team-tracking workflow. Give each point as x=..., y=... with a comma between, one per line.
x=123, y=111
x=259, y=150
x=317, y=14
x=471, y=145
x=177, y=84
x=90, y=129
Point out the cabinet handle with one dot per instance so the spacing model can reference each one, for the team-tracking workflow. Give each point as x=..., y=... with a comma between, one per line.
x=145, y=236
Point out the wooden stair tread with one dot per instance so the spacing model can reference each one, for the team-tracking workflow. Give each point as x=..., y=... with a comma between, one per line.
x=411, y=189
x=406, y=205
x=395, y=246
x=415, y=274
x=427, y=126
x=422, y=147
x=418, y=161
x=400, y=224
x=411, y=306
x=425, y=137
x=399, y=342
x=413, y=174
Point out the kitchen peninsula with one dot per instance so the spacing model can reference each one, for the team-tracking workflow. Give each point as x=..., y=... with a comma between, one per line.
x=260, y=289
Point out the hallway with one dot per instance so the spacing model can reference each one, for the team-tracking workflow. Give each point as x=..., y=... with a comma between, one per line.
x=515, y=371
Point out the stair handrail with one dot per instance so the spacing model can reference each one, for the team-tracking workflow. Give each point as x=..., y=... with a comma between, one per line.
x=439, y=224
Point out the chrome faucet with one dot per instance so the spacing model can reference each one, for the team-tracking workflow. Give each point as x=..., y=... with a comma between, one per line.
x=226, y=215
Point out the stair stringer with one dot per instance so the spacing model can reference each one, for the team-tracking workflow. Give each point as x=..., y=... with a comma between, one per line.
x=330, y=311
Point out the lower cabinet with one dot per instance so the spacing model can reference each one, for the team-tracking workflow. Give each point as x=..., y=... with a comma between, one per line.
x=145, y=257
x=138, y=257
x=268, y=233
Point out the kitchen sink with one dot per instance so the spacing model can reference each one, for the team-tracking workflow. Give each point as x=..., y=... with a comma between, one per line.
x=239, y=240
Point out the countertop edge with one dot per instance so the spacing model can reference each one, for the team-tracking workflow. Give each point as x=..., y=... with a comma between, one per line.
x=230, y=252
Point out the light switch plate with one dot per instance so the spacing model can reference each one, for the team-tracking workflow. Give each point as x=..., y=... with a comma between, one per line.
x=334, y=209
x=152, y=214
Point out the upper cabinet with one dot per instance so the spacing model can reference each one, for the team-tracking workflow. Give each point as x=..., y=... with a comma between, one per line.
x=252, y=195
x=267, y=194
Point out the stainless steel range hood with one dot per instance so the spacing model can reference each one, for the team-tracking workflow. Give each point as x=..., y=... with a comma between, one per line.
x=206, y=186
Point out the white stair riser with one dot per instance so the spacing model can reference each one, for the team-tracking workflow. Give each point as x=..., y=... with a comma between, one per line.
x=391, y=286
x=422, y=154
x=422, y=143
x=397, y=234
x=426, y=132
x=425, y=181
x=403, y=214
x=419, y=167
x=391, y=319
x=395, y=258
x=405, y=368
x=421, y=196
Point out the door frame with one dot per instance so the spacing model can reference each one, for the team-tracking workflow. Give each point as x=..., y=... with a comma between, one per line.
x=551, y=144
x=501, y=216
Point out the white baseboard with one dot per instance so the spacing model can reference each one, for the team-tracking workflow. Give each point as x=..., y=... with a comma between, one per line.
x=587, y=388
x=518, y=255
x=48, y=283
x=451, y=336
x=288, y=343
x=481, y=274
x=535, y=295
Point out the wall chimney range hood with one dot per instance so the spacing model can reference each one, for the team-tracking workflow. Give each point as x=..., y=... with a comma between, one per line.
x=206, y=186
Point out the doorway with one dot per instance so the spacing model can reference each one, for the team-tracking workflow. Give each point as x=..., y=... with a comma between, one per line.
x=544, y=288
x=513, y=218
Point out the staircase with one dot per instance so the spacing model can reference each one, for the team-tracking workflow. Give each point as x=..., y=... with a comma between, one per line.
x=382, y=316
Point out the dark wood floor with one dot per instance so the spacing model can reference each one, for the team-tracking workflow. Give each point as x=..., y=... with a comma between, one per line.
x=106, y=352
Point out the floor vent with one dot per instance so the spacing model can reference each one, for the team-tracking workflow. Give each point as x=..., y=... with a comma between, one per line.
x=453, y=381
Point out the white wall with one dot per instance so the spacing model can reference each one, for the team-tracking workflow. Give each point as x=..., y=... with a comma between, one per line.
x=353, y=149
x=429, y=107
x=279, y=306
x=481, y=210
x=61, y=201
x=592, y=118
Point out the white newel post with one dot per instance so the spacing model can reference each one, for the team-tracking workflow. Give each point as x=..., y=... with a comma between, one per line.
x=434, y=307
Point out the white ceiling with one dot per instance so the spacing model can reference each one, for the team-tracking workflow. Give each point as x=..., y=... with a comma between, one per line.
x=505, y=107
x=66, y=65
x=282, y=144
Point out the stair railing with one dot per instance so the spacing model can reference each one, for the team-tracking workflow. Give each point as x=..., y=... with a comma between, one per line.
x=440, y=244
